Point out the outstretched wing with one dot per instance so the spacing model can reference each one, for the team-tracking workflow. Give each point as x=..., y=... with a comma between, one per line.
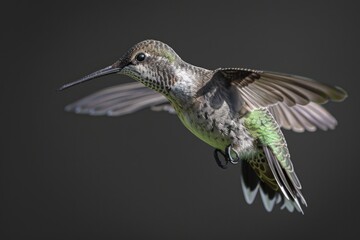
x=262, y=88
x=293, y=100
x=119, y=100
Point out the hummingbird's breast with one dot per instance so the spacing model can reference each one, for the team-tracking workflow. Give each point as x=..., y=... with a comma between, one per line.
x=214, y=125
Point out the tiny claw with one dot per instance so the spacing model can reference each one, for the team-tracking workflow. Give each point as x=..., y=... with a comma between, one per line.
x=229, y=157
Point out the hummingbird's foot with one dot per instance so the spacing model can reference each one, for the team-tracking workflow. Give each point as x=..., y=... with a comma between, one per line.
x=221, y=164
x=226, y=157
x=228, y=150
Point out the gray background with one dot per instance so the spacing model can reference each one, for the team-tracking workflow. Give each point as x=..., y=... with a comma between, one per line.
x=144, y=176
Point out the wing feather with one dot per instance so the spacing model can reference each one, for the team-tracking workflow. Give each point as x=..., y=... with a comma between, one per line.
x=118, y=100
x=300, y=118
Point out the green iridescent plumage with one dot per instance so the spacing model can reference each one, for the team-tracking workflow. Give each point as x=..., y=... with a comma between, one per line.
x=263, y=127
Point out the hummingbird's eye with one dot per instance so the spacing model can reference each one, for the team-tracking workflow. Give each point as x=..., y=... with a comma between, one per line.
x=140, y=57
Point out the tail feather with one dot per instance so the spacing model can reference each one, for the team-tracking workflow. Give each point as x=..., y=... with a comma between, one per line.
x=268, y=196
x=287, y=181
x=249, y=194
x=249, y=183
x=252, y=185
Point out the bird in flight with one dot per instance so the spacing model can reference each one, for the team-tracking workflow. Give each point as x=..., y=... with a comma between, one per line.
x=237, y=111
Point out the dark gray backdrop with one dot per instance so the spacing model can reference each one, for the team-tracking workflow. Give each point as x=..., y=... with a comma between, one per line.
x=144, y=176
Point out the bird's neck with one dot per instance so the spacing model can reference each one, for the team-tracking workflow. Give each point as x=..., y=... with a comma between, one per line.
x=189, y=79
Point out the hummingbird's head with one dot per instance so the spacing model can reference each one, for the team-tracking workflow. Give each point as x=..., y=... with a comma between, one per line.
x=150, y=62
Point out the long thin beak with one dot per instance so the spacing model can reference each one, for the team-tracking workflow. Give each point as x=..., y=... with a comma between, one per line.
x=115, y=68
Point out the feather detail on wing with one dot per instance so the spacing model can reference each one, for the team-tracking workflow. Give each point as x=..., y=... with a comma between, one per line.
x=262, y=88
x=294, y=101
x=303, y=117
x=118, y=100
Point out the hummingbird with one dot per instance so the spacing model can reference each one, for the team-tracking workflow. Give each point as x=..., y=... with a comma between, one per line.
x=237, y=111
